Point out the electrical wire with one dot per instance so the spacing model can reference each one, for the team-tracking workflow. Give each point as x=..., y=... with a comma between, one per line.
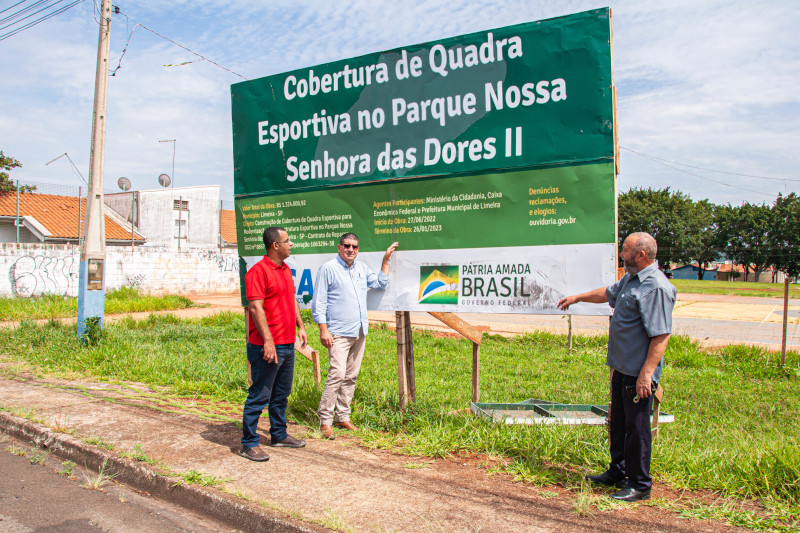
x=125, y=50
x=202, y=57
x=22, y=11
x=706, y=169
x=13, y=6
x=40, y=19
x=699, y=175
x=76, y=2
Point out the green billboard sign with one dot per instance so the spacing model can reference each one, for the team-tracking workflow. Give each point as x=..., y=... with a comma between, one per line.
x=523, y=96
x=488, y=156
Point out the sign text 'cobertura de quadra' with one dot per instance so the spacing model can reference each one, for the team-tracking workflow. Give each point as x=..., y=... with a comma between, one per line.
x=488, y=156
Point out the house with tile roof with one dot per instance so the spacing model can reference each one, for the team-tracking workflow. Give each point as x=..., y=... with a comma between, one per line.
x=177, y=218
x=32, y=217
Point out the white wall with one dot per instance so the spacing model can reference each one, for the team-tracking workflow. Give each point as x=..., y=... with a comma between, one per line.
x=34, y=269
x=156, y=215
x=8, y=232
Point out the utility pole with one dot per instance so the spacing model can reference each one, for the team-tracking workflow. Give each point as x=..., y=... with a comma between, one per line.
x=16, y=222
x=91, y=280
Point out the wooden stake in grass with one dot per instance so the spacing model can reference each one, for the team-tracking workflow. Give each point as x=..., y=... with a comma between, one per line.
x=785, y=317
x=405, y=359
x=569, y=333
x=312, y=355
x=473, y=334
x=476, y=372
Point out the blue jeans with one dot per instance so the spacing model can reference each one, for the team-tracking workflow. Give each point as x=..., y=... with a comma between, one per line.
x=272, y=384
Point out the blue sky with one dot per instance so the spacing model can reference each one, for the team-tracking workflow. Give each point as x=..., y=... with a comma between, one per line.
x=711, y=84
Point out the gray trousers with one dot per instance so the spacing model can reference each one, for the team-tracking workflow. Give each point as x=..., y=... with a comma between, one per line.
x=345, y=362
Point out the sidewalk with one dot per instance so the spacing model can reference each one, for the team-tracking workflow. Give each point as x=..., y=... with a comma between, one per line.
x=327, y=485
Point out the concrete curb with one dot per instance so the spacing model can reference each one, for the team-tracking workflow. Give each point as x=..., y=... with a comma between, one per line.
x=238, y=514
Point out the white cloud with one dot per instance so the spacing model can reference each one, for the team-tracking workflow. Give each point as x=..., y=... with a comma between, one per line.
x=711, y=84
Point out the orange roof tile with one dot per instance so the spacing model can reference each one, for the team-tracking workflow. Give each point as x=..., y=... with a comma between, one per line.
x=227, y=225
x=59, y=214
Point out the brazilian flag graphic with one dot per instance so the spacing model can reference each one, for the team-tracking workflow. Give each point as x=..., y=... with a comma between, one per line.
x=438, y=284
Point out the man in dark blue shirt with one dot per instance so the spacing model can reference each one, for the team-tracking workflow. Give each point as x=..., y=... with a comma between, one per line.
x=637, y=338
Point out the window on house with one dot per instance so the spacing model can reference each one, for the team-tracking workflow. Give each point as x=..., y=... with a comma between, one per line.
x=180, y=229
x=180, y=205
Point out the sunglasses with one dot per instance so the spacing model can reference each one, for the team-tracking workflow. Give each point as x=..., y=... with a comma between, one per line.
x=348, y=246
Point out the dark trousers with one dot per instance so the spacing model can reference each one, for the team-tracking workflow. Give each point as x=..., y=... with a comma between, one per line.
x=629, y=434
x=272, y=384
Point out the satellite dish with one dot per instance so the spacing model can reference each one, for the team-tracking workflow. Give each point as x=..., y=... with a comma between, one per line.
x=124, y=184
x=164, y=180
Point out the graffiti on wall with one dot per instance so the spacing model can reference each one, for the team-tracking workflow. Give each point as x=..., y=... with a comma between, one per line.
x=47, y=271
x=38, y=274
x=225, y=262
x=135, y=280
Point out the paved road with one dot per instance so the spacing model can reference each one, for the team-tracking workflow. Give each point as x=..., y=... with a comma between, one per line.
x=710, y=319
x=35, y=498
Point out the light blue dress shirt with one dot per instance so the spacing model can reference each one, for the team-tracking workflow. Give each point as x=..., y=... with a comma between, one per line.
x=340, y=296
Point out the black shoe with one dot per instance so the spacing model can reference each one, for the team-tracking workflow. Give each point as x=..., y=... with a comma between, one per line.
x=609, y=480
x=289, y=442
x=631, y=495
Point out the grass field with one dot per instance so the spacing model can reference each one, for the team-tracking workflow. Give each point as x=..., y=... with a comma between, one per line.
x=123, y=300
x=736, y=288
x=737, y=428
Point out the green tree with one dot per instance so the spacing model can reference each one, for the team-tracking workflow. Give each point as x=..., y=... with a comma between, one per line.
x=676, y=222
x=703, y=224
x=743, y=234
x=784, y=236
x=757, y=223
x=6, y=184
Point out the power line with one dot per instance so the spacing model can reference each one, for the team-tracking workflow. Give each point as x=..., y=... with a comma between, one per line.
x=124, y=50
x=707, y=169
x=13, y=6
x=22, y=11
x=695, y=174
x=202, y=57
x=18, y=14
x=39, y=20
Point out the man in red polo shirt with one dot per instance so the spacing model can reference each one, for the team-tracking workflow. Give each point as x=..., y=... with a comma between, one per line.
x=274, y=314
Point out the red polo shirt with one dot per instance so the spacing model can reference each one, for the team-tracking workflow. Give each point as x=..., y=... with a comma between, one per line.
x=272, y=283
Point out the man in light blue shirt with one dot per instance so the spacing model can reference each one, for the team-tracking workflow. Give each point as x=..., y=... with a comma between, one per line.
x=340, y=308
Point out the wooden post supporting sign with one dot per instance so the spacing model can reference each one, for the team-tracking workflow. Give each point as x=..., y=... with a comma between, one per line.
x=313, y=356
x=785, y=318
x=472, y=333
x=476, y=372
x=405, y=354
x=405, y=359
